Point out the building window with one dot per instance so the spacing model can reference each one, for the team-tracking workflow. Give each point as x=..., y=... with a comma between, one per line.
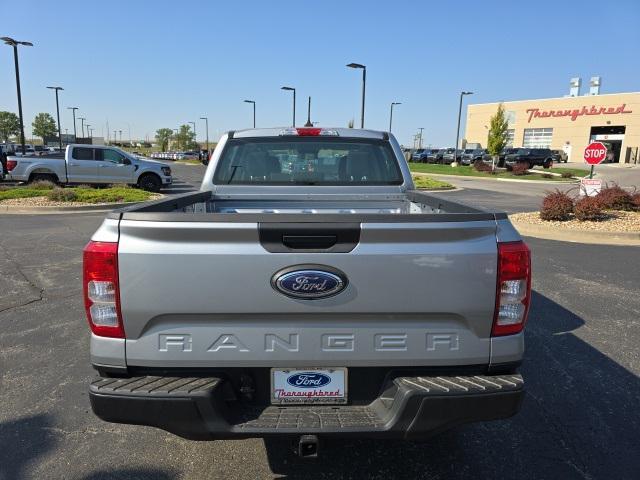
x=510, y=137
x=537, y=137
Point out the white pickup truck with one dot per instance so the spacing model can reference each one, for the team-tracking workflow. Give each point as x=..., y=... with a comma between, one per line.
x=91, y=164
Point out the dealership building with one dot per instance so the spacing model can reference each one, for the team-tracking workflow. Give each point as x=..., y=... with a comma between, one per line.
x=567, y=123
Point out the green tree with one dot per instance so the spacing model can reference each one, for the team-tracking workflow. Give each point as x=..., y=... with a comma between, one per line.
x=185, y=138
x=44, y=126
x=9, y=125
x=163, y=136
x=497, y=134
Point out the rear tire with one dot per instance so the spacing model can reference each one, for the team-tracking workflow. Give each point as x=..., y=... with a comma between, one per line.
x=39, y=177
x=150, y=182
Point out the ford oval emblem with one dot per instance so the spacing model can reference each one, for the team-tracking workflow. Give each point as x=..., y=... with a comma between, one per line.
x=308, y=380
x=309, y=282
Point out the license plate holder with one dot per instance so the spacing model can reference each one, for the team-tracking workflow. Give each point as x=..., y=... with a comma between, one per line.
x=300, y=386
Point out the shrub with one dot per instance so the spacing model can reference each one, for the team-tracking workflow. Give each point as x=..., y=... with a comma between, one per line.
x=119, y=185
x=42, y=185
x=635, y=198
x=615, y=198
x=566, y=175
x=588, y=209
x=556, y=206
x=546, y=175
x=84, y=186
x=480, y=166
x=519, y=169
x=62, y=195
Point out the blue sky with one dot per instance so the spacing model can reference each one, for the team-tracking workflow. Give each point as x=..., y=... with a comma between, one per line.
x=145, y=65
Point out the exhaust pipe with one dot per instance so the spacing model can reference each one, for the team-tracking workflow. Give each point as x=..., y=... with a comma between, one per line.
x=308, y=446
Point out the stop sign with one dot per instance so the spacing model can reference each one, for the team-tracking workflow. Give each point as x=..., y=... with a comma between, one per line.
x=595, y=153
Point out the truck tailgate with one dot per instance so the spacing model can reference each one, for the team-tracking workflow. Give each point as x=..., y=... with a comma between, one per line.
x=199, y=294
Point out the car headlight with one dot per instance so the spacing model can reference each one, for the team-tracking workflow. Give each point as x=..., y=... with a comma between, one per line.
x=166, y=171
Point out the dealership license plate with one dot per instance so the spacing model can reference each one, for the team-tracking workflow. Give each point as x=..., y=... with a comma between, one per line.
x=309, y=385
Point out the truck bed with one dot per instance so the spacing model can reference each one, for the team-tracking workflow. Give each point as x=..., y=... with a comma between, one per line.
x=411, y=206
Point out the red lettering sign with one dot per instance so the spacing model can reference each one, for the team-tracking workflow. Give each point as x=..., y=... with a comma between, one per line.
x=574, y=113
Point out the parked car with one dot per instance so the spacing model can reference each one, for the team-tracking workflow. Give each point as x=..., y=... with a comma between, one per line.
x=502, y=156
x=435, y=155
x=419, y=155
x=560, y=156
x=91, y=164
x=470, y=155
x=331, y=343
x=450, y=154
x=530, y=157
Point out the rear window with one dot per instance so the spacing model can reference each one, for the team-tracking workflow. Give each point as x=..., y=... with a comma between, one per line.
x=307, y=161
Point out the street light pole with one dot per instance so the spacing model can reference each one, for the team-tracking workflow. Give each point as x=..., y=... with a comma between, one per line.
x=420, y=138
x=291, y=89
x=364, y=87
x=254, y=111
x=88, y=130
x=309, y=122
x=82, y=119
x=206, y=121
x=58, y=112
x=455, y=150
x=391, y=114
x=75, y=134
x=14, y=43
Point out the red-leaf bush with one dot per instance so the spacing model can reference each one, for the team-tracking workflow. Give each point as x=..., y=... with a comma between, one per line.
x=588, y=208
x=615, y=198
x=556, y=206
x=480, y=166
x=636, y=201
x=566, y=175
x=519, y=169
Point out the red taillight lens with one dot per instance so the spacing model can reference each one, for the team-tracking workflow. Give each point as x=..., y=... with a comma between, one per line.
x=101, y=289
x=513, y=294
x=308, y=132
x=11, y=164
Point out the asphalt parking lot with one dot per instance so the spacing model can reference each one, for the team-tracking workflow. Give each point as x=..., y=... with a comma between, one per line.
x=580, y=418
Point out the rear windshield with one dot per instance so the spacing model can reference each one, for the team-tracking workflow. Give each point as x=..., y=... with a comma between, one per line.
x=307, y=161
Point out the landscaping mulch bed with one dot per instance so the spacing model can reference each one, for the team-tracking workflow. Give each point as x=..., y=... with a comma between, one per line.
x=612, y=221
x=45, y=202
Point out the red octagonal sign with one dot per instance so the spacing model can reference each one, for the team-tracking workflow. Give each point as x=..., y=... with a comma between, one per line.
x=595, y=153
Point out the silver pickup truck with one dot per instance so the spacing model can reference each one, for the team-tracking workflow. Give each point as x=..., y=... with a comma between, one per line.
x=308, y=290
x=92, y=164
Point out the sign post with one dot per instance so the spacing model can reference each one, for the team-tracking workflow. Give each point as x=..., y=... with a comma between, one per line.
x=595, y=154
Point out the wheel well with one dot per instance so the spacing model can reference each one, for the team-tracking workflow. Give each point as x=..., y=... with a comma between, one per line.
x=144, y=174
x=39, y=171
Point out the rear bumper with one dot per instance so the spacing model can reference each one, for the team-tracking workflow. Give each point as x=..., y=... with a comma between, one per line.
x=200, y=408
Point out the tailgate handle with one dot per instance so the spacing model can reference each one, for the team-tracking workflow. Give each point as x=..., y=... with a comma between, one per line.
x=309, y=241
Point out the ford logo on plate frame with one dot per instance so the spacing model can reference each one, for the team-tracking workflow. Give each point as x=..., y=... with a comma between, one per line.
x=309, y=380
x=309, y=282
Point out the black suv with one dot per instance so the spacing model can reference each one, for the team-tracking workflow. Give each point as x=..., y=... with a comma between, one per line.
x=530, y=157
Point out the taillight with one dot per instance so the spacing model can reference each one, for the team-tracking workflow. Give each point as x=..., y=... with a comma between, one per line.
x=101, y=289
x=513, y=294
x=11, y=164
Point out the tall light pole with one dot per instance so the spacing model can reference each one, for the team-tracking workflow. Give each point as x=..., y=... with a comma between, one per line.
x=254, y=111
x=291, y=89
x=88, y=130
x=75, y=134
x=206, y=122
x=82, y=119
x=364, y=87
x=391, y=114
x=120, y=132
x=57, y=89
x=14, y=43
x=309, y=122
x=455, y=150
x=420, y=137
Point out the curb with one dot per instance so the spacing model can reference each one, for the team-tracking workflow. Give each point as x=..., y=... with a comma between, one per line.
x=102, y=207
x=472, y=177
x=577, y=236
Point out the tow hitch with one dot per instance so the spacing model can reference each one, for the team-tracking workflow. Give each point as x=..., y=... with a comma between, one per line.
x=308, y=446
